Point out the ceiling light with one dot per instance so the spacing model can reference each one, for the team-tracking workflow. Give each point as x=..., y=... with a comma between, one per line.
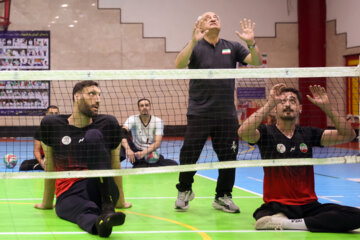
x=64, y=5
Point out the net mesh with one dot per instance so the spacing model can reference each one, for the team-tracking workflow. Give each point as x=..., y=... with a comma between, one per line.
x=168, y=92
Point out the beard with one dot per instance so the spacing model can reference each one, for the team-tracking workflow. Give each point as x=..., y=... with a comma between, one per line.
x=288, y=117
x=85, y=109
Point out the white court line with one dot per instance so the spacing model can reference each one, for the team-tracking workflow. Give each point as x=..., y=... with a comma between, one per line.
x=246, y=190
x=129, y=198
x=332, y=196
x=331, y=200
x=353, y=179
x=146, y=232
x=256, y=179
x=19, y=199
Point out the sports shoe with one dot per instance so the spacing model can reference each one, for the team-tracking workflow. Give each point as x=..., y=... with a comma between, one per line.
x=183, y=198
x=225, y=204
x=105, y=222
x=274, y=222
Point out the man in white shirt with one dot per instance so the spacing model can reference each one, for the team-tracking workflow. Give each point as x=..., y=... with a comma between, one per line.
x=147, y=132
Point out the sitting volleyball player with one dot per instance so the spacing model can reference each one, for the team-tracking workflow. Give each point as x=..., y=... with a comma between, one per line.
x=84, y=140
x=39, y=162
x=289, y=194
x=147, y=131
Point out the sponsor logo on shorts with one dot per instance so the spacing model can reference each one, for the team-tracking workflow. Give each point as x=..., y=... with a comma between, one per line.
x=281, y=148
x=66, y=140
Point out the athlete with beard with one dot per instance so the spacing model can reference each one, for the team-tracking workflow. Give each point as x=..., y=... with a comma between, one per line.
x=289, y=194
x=147, y=131
x=84, y=140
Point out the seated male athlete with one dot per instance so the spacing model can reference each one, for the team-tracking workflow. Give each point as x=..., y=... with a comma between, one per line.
x=289, y=194
x=84, y=140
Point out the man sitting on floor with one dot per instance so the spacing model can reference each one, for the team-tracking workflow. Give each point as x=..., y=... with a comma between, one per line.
x=147, y=131
x=39, y=162
x=289, y=194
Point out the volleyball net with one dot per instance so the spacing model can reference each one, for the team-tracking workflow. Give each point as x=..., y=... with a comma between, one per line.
x=26, y=94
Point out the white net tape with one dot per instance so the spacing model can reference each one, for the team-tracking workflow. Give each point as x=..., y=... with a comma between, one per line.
x=175, y=74
x=181, y=74
x=184, y=168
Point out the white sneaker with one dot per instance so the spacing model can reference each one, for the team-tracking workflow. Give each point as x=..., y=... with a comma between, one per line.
x=183, y=198
x=274, y=222
x=225, y=204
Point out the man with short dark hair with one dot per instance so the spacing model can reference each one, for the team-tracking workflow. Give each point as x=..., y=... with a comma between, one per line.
x=147, y=131
x=289, y=194
x=85, y=140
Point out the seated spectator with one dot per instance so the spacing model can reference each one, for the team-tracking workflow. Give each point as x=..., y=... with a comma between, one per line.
x=147, y=132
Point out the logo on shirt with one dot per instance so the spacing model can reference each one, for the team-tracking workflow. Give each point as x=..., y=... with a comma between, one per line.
x=303, y=148
x=280, y=148
x=66, y=140
x=233, y=146
x=226, y=51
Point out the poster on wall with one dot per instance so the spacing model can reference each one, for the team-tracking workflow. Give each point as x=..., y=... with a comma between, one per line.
x=24, y=50
x=250, y=93
x=249, y=100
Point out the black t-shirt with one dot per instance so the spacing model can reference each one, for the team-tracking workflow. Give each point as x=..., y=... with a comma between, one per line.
x=66, y=140
x=273, y=144
x=37, y=135
x=289, y=185
x=214, y=98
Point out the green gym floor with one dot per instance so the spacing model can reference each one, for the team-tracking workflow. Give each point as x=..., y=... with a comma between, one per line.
x=152, y=216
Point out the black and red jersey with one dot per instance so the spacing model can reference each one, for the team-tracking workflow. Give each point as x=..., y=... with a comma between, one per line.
x=67, y=142
x=291, y=185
